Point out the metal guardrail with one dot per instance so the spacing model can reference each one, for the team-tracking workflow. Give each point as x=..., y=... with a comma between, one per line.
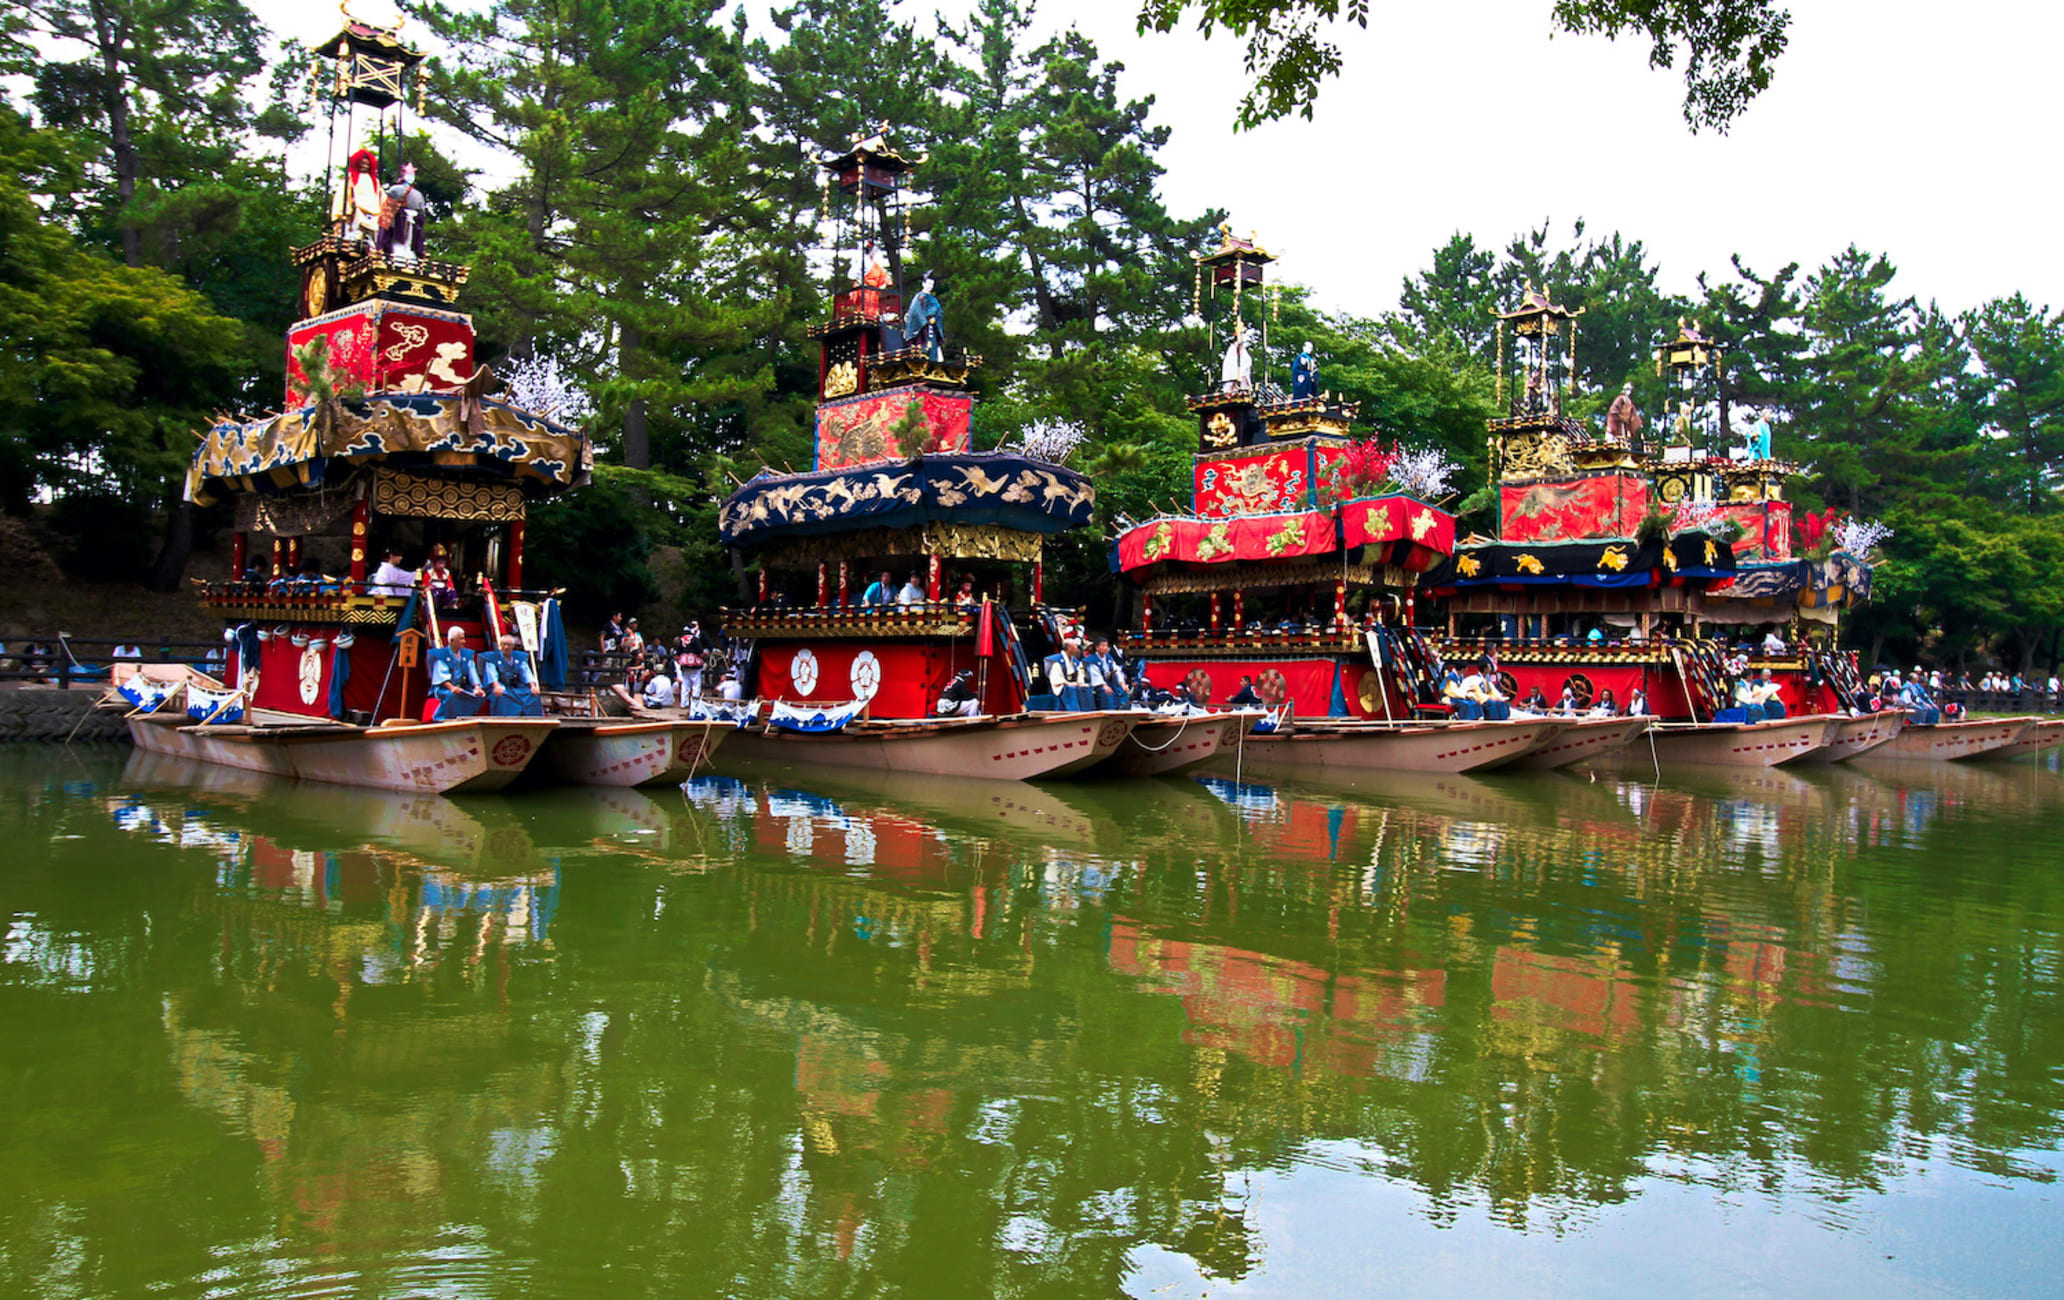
x=65, y=661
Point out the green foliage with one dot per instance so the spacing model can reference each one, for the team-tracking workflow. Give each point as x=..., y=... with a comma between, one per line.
x=1729, y=47
x=593, y=543
x=911, y=431
x=108, y=369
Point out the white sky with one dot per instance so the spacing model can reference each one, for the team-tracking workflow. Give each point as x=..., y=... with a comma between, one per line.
x=1910, y=129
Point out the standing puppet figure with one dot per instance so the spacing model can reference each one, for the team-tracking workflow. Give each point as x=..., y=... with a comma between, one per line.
x=1304, y=375
x=401, y=218
x=1236, y=372
x=925, y=324
x=1759, y=437
x=358, y=207
x=1622, y=418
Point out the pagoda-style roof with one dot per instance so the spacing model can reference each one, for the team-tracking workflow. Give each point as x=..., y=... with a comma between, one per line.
x=875, y=154
x=1232, y=248
x=1536, y=305
x=374, y=65
x=448, y=435
x=1000, y=489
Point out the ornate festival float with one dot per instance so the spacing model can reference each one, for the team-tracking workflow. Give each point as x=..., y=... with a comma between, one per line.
x=888, y=573
x=1291, y=581
x=390, y=443
x=1618, y=560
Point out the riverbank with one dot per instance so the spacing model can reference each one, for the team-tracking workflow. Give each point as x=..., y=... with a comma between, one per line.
x=44, y=713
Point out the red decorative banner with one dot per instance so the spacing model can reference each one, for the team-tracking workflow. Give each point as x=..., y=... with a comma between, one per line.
x=861, y=430
x=1256, y=480
x=1380, y=521
x=898, y=680
x=1594, y=508
x=1306, y=683
x=1766, y=529
x=1216, y=541
x=383, y=347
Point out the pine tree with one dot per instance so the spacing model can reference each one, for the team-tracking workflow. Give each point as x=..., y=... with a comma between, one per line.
x=2019, y=393
x=157, y=86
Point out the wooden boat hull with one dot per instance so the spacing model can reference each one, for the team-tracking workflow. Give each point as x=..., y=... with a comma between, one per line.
x=1740, y=744
x=1166, y=746
x=1579, y=739
x=1950, y=741
x=662, y=752
x=1854, y=736
x=1457, y=747
x=1024, y=748
x=2040, y=736
x=464, y=756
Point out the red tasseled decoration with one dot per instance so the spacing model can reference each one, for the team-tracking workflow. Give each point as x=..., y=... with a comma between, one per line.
x=1367, y=465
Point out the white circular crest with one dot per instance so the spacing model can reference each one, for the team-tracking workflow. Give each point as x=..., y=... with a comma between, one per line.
x=866, y=675
x=802, y=670
x=311, y=674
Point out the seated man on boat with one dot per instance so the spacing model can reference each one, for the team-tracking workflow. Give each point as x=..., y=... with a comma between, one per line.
x=1067, y=677
x=1637, y=703
x=1481, y=692
x=455, y=690
x=510, y=680
x=658, y=692
x=958, y=699
x=1605, y=706
x=1460, y=706
x=1107, y=677
x=391, y=579
x=1246, y=697
x=1914, y=696
x=1748, y=701
x=1767, y=694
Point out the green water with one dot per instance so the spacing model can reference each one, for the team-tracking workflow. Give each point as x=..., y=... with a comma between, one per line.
x=787, y=1036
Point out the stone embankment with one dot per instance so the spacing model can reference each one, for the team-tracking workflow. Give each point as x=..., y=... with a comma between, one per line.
x=46, y=714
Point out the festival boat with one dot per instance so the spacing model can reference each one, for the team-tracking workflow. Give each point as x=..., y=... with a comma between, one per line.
x=1855, y=737
x=1361, y=746
x=844, y=669
x=1741, y=744
x=1614, y=561
x=391, y=440
x=1247, y=598
x=2044, y=734
x=1580, y=740
x=633, y=752
x=1167, y=746
x=1950, y=741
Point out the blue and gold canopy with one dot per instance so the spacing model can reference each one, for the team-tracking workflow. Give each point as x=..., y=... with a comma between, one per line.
x=440, y=433
x=1000, y=489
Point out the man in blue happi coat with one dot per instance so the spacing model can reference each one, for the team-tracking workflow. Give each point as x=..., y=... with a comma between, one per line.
x=1067, y=677
x=510, y=681
x=455, y=678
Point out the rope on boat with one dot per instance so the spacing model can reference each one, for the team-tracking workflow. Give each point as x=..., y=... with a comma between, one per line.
x=1133, y=736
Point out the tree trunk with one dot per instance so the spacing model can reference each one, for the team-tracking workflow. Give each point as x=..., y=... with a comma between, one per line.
x=111, y=35
x=637, y=442
x=175, y=549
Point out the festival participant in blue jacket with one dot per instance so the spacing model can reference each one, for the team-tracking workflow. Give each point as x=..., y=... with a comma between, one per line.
x=455, y=678
x=1107, y=677
x=510, y=681
x=1067, y=676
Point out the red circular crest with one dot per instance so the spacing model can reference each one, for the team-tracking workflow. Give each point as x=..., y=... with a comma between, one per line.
x=689, y=750
x=511, y=750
